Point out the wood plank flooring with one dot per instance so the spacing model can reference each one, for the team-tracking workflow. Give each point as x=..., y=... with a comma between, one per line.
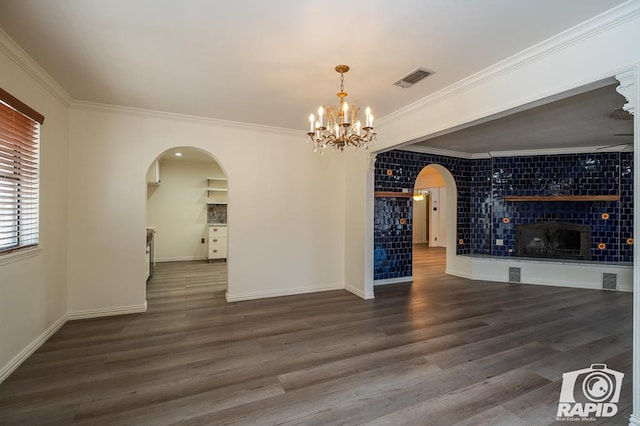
x=441, y=351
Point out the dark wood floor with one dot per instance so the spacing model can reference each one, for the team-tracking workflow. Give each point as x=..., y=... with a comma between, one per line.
x=442, y=351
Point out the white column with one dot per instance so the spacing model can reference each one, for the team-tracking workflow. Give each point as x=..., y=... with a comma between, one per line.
x=629, y=87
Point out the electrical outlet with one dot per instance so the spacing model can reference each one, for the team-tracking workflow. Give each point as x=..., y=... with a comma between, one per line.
x=202, y=240
x=499, y=242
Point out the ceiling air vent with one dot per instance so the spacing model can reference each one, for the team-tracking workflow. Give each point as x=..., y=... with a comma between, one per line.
x=413, y=77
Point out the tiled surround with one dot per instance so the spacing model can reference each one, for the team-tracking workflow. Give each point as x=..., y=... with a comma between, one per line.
x=393, y=240
x=570, y=174
x=483, y=216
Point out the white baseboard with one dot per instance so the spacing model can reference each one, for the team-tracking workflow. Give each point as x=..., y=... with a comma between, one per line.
x=21, y=357
x=634, y=420
x=279, y=293
x=542, y=272
x=461, y=274
x=393, y=280
x=360, y=293
x=15, y=362
x=105, y=312
x=179, y=259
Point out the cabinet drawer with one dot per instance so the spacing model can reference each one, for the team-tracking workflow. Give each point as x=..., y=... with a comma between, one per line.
x=217, y=248
x=217, y=231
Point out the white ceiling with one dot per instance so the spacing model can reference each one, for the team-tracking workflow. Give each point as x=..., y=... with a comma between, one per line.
x=580, y=120
x=271, y=62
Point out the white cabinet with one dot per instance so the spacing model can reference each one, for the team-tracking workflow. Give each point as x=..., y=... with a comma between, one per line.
x=153, y=174
x=217, y=242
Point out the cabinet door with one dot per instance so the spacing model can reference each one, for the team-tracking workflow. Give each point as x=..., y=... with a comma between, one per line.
x=218, y=248
x=217, y=231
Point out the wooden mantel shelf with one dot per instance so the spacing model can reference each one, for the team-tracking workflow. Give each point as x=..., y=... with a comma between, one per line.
x=561, y=198
x=392, y=194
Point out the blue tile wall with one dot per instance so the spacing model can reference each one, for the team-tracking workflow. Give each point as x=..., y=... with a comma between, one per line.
x=481, y=207
x=626, y=206
x=609, y=173
x=392, y=240
x=481, y=186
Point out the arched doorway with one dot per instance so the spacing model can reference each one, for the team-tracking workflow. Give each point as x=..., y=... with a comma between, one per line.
x=186, y=210
x=434, y=218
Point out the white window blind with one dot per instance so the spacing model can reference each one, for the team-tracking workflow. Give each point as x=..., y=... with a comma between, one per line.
x=19, y=182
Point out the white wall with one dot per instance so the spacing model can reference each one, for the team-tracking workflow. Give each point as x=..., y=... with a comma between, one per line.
x=358, y=256
x=438, y=216
x=429, y=178
x=419, y=220
x=177, y=209
x=33, y=291
x=293, y=243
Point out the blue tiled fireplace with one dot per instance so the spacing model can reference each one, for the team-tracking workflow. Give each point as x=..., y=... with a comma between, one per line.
x=484, y=215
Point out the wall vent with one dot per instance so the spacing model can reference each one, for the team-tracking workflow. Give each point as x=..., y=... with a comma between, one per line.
x=413, y=77
x=514, y=275
x=609, y=281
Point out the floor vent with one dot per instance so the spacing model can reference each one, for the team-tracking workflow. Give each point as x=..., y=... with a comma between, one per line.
x=609, y=281
x=514, y=275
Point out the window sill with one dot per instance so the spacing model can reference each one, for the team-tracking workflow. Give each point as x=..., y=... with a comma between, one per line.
x=19, y=255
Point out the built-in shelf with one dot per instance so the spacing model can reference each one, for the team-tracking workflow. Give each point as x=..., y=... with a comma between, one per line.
x=217, y=186
x=561, y=198
x=392, y=194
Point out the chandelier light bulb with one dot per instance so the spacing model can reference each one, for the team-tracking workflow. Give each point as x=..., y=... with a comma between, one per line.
x=368, y=117
x=311, y=120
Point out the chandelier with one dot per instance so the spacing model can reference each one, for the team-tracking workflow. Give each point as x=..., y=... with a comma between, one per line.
x=339, y=126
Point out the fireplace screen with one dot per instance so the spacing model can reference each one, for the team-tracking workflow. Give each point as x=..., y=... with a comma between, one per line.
x=553, y=240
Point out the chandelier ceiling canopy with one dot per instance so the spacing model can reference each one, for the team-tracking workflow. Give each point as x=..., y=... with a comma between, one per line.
x=339, y=126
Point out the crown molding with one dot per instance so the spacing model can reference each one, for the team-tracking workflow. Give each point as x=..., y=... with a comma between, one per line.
x=21, y=58
x=561, y=151
x=626, y=89
x=517, y=153
x=437, y=151
x=587, y=29
x=99, y=107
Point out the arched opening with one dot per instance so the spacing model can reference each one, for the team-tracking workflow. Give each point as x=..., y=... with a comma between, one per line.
x=186, y=216
x=434, y=219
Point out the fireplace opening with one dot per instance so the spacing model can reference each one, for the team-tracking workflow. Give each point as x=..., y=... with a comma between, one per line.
x=553, y=240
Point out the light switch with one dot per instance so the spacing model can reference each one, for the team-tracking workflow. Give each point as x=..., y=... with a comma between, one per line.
x=499, y=242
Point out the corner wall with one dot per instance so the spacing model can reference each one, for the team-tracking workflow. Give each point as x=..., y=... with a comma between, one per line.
x=294, y=243
x=33, y=287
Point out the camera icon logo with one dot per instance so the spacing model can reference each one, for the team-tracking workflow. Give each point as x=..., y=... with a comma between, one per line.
x=590, y=392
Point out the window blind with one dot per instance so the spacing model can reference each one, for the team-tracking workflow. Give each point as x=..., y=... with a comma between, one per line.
x=19, y=175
